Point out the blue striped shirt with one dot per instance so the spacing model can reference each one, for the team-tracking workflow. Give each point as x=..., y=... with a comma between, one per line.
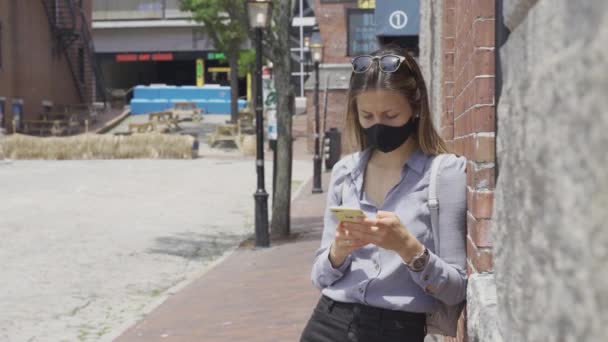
x=378, y=277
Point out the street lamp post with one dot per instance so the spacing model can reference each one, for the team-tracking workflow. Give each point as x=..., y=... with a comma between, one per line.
x=316, y=50
x=259, y=18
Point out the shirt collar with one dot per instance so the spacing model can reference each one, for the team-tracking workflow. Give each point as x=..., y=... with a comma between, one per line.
x=356, y=166
x=417, y=161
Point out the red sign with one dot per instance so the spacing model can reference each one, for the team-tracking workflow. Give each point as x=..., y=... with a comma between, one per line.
x=162, y=57
x=126, y=57
x=144, y=57
x=266, y=73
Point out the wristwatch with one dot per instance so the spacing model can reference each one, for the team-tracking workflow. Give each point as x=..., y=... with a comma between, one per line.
x=418, y=262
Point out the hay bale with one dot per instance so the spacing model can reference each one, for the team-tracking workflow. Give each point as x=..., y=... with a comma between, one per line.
x=93, y=146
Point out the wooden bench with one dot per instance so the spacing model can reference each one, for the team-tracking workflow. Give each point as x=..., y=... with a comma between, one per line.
x=187, y=109
x=142, y=127
x=54, y=115
x=83, y=112
x=72, y=119
x=246, y=123
x=37, y=127
x=227, y=132
x=165, y=118
x=49, y=127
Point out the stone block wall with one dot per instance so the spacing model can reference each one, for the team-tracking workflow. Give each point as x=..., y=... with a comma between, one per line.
x=552, y=193
x=537, y=253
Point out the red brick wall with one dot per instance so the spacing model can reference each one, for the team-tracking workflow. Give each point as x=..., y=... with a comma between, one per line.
x=336, y=113
x=331, y=18
x=32, y=68
x=468, y=120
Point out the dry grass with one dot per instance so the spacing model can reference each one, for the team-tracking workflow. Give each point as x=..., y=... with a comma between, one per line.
x=93, y=146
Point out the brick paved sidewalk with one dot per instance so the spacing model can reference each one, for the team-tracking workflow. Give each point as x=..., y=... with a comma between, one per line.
x=253, y=295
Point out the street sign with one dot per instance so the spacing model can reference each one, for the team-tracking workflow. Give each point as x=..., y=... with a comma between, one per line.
x=270, y=103
x=215, y=55
x=272, y=124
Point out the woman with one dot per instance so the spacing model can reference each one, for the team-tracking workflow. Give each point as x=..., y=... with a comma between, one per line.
x=381, y=276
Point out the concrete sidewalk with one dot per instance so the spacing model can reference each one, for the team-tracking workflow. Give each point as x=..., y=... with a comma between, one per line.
x=253, y=295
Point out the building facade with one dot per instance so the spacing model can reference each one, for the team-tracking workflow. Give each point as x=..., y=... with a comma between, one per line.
x=46, y=58
x=153, y=41
x=349, y=28
x=142, y=42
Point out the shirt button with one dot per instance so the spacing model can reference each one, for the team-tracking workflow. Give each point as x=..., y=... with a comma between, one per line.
x=361, y=290
x=376, y=266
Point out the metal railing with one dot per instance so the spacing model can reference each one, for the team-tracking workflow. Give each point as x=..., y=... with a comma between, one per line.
x=71, y=29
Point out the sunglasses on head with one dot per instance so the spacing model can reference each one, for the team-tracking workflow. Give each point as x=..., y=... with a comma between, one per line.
x=386, y=63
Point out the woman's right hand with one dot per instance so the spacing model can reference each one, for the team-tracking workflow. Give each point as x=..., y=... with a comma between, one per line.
x=342, y=246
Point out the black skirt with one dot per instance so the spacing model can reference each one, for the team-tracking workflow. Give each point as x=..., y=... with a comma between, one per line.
x=334, y=321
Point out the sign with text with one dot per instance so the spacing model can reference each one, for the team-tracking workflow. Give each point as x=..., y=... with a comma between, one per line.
x=270, y=103
x=144, y=57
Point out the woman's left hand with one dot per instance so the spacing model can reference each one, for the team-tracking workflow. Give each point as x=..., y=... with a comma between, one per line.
x=386, y=231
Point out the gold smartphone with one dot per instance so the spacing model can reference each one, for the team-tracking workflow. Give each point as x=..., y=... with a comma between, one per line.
x=348, y=214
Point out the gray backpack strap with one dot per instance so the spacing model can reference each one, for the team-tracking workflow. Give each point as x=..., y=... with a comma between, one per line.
x=434, y=202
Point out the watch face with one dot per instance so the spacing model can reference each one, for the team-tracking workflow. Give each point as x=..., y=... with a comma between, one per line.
x=420, y=262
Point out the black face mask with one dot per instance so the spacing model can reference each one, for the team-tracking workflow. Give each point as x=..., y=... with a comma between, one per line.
x=389, y=138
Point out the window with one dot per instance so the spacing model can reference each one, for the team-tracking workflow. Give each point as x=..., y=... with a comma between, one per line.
x=361, y=32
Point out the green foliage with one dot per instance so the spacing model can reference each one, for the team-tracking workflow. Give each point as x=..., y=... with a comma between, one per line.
x=221, y=22
x=246, y=62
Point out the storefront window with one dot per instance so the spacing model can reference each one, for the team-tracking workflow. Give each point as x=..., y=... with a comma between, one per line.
x=361, y=32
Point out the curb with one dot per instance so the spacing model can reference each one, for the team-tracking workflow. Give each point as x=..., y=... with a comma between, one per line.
x=114, y=122
x=118, y=331
x=151, y=306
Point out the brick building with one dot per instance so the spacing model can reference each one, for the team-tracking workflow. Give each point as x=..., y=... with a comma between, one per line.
x=46, y=58
x=349, y=28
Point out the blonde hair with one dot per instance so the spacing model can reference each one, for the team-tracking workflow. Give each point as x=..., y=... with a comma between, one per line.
x=407, y=80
